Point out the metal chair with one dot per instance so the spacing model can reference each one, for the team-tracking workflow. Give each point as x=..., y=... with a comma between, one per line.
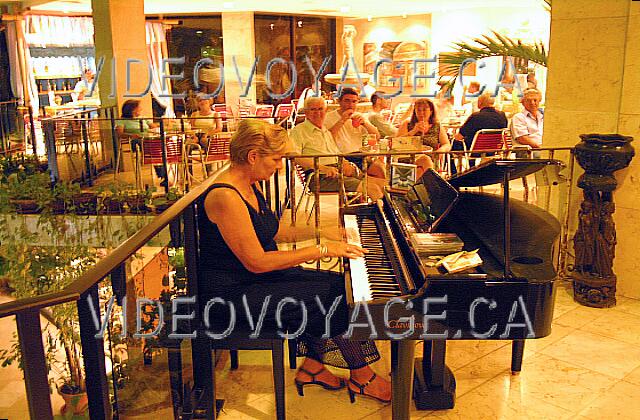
x=306, y=178
x=152, y=153
x=264, y=111
x=129, y=143
x=217, y=151
x=284, y=114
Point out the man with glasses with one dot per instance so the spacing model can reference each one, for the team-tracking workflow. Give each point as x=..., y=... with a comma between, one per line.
x=313, y=138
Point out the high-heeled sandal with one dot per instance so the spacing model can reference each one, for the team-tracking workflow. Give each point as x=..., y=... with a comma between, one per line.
x=300, y=385
x=361, y=388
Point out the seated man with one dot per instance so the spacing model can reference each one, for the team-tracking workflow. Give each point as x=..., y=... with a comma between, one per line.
x=487, y=117
x=348, y=126
x=379, y=103
x=526, y=126
x=312, y=138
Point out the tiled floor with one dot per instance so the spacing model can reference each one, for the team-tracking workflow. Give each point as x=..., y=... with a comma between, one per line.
x=587, y=368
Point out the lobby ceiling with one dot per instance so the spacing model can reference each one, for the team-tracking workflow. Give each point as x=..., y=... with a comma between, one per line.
x=344, y=8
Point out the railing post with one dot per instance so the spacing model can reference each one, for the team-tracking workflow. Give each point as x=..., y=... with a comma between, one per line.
x=87, y=152
x=35, y=367
x=203, y=375
x=114, y=138
x=48, y=127
x=93, y=355
x=163, y=143
x=32, y=130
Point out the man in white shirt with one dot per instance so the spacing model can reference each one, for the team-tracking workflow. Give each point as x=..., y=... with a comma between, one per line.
x=312, y=138
x=526, y=126
x=82, y=89
x=348, y=126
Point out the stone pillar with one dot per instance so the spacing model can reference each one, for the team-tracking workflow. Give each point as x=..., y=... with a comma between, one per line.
x=238, y=40
x=120, y=35
x=593, y=86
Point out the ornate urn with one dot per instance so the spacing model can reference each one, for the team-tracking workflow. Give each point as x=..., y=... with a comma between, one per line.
x=600, y=155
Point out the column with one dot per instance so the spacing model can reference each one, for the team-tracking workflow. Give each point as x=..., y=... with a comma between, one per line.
x=593, y=88
x=120, y=36
x=238, y=40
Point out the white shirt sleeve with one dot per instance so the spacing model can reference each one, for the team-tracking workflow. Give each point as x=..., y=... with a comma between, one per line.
x=519, y=126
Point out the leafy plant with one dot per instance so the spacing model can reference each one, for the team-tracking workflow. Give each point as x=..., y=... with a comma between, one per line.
x=490, y=46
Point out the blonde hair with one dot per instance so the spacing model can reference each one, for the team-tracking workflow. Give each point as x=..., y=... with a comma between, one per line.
x=485, y=100
x=258, y=135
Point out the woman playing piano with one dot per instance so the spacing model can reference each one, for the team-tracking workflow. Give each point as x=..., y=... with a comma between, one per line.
x=239, y=259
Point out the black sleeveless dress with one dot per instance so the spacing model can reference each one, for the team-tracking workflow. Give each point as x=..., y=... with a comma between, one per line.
x=221, y=274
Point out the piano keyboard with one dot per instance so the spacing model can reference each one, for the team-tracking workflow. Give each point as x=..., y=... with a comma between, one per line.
x=372, y=276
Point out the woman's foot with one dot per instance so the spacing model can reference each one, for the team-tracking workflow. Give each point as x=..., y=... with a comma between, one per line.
x=367, y=383
x=317, y=374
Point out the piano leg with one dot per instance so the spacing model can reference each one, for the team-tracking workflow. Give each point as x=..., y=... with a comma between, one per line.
x=517, y=351
x=434, y=384
x=402, y=354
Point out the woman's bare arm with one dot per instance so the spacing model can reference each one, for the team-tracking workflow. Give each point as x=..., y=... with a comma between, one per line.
x=227, y=210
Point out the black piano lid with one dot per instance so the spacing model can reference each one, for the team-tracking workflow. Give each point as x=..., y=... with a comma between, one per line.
x=492, y=171
x=435, y=194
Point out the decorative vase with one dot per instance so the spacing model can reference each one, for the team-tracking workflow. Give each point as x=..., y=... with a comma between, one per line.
x=600, y=155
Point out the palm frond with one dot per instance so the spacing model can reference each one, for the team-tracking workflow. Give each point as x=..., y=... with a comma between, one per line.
x=495, y=45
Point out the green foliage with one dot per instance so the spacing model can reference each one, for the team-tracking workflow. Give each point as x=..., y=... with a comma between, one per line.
x=23, y=186
x=491, y=46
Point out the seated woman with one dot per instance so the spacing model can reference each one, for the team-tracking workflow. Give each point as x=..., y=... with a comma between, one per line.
x=131, y=125
x=424, y=123
x=205, y=119
x=240, y=261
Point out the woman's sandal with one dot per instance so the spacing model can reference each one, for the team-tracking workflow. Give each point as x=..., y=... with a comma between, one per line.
x=361, y=388
x=300, y=385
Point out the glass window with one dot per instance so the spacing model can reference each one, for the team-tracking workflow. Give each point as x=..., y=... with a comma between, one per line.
x=279, y=36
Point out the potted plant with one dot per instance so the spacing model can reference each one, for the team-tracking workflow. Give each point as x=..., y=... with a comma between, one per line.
x=114, y=197
x=28, y=193
x=164, y=202
x=38, y=270
x=63, y=197
x=137, y=200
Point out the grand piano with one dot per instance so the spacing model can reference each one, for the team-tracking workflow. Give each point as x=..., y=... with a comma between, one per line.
x=394, y=295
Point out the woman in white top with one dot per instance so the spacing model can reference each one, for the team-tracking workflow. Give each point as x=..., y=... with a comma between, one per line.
x=205, y=119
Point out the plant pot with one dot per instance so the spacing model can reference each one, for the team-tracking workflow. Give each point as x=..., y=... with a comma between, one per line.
x=137, y=205
x=76, y=403
x=85, y=203
x=600, y=155
x=112, y=206
x=58, y=206
x=163, y=206
x=26, y=206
